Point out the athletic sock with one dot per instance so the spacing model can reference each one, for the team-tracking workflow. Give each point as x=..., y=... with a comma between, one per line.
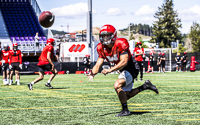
x=32, y=83
x=124, y=106
x=141, y=88
x=11, y=81
x=4, y=81
x=49, y=82
x=17, y=80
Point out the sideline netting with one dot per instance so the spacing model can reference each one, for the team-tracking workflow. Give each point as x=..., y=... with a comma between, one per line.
x=167, y=51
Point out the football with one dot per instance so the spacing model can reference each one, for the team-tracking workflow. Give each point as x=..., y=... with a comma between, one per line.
x=46, y=19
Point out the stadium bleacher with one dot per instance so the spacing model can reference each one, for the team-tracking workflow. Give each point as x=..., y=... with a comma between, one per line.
x=21, y=21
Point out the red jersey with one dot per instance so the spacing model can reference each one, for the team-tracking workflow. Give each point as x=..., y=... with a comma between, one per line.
x=113, y=55
x=138, y=51
x=121, y=45
x=43, y=57
x=15, y=56
x=5, y=56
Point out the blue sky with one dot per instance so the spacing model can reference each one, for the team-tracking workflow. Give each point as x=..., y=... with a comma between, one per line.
x=118, y=13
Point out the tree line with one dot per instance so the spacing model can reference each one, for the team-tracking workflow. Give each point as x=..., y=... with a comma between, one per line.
x=143, y=29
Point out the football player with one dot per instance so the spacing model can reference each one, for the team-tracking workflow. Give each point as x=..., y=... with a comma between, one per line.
x=144, y=62
x=184, y=61
x=151, y=62
x=159, y=62
x=5, y=63
x=162, y=59
x=85, y=63
x=15, y=63
x=139, y=51
x=45, y=64
x=178, y=62
x=116, y=50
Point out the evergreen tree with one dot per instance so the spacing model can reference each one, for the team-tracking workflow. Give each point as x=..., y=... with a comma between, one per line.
x=131, y=37
x=194, y=35
x=165, y=29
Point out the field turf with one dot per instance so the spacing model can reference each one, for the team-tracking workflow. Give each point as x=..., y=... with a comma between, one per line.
x=74, y=100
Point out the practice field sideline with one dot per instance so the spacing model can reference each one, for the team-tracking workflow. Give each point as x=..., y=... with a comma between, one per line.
x=74, y=100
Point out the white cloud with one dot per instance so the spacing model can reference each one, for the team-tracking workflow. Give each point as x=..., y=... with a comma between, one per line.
x=114, y=12
x=78, y=10
x=145, y=10
x=191, y=14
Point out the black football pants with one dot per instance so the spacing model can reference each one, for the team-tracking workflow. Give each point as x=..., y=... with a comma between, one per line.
x=140, y=63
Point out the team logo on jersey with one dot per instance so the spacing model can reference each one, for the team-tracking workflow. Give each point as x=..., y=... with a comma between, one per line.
x=139, y=51
x=5, y=54
x=112, y=59
x=77, y=48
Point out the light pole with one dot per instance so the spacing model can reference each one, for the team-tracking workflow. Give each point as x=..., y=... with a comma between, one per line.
x=129, y=33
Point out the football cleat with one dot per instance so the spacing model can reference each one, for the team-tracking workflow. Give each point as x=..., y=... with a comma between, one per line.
x=135, y=79
x=30, y=86
x=141, y=79
x=48, y=85
x=123, y=113
x=148, y=85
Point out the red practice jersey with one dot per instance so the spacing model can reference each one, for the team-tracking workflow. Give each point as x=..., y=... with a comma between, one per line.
x=15, y=56
x=113, y=55
x=138, y=51
x=43, y=57
x=5, y=56
x=121, y=45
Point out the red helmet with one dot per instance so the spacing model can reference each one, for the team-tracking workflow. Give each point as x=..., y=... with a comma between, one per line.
x=163, y=54
x=110, y=32
x=150, y=53
x=184, y=53
x=50, y=41
x=139, y=43
x=159, y=53
x=15, y=45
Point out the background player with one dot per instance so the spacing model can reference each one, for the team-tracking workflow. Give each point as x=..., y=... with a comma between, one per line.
x=184, y=61
x=150, y=68
x=178, y=62
x=144, y=62
x=159, y=62
x=15, y=63
x=85, y=63
x=138, y=51
x=5, y=63
x=45, y=64
x=117, y=50
x=163, y=62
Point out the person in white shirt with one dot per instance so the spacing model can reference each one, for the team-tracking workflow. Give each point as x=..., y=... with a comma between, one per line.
x=37, y=40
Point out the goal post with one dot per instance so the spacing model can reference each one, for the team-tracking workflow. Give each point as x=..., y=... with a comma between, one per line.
x=168, y=62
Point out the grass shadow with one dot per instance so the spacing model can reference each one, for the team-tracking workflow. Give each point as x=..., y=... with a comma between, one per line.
x=62, y=88
x=132, y=113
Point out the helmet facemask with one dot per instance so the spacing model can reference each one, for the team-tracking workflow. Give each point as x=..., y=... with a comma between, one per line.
x=14, y=47
x=5, y=48
x=106, y=37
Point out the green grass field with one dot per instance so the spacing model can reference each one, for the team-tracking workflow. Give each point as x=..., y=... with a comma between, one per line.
x=74, y=100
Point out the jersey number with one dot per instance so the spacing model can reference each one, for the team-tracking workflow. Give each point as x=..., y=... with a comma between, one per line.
x=111, y=59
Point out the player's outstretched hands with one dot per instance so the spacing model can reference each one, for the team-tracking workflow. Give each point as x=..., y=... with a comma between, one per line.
x=105, y=71
x=90, y=76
